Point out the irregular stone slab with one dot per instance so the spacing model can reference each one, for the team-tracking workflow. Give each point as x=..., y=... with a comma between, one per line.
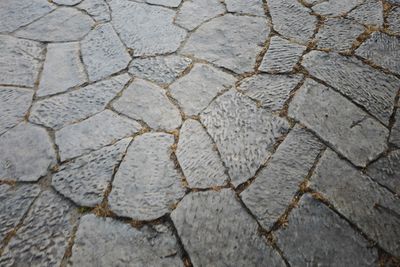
x=100, y=130
x=243, y=133
x=195, y=91
x=371, y=207
x=208, y=221
x=103, y=53
x=272, y=91
x=393, y=20
x=98, y=9
x=368, y=13
x=85, y=179
x=147, y=185
x=14, y=203
x=26, y=153
x=335, y=7
x=19, y=61
x=276, y=185
x=43, y=238
x=67, y=2
x=347, y=128
x=61, y=110
x=150, y=32
x=63, y=25
x=252, y=7
x=62, y=69
x=395, y=132
x=193, y=13
x=167, y=3
x=14, y=104
x=302, y=244
x=148, y=102
x=355, y=80
x=236, y=49
x=108, y=242
x=281, y=56
x=292, y=20
x=162, y=69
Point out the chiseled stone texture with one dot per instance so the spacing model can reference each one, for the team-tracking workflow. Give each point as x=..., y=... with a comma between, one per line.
x=19, y=61
x=208, y=221
x=336, y=7
x=61, y=110
x=276, y=185
x=355, y=80
x=150, y=31
x=251, y=7
x=236, y=49
x=85, y=179
x=395, y=133
x=107, y=242
x=243, y=133
x=195, y=91
x=93, y=133
x=26, y=153
x=147, y=185
x=148, y=102
x=371, y=207
x=272, y=91
x=103, y=53
x=167, y=3
x=314, y=233
x=43, y=237
x=393, y=20
x=368, y=13
x=97, y=9
x=14, y=103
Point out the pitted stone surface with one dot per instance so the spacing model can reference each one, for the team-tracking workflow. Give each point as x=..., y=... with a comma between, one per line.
x=236, y=49
x=167, y=3
x=368, y=13
x=243, y=133
x=251, y=7
x=85, y=179
x=209, y=221
x=336, y=7
x=395, y=133
x=98, y=9
x=195, y=91
x=147, y=185
x=97, y=240
x=393, y=20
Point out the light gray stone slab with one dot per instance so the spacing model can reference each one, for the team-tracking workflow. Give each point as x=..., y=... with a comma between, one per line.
x=368, y=13
x=209, y=221
x=336, y=7
x=202, y=84
x=67, y=2
x=147, y=185
x=251, y=7
x=236, y=49
x=167, y=3
x=243, y=133
x=393, y=20
x=97, y=9
x=395, y=132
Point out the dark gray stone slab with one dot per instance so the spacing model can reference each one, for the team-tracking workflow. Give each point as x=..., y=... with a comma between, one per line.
x=336, y=7
x=395, y=132
x=393, y=20
x=368, y=13
x=250, y=7
x=97, y=9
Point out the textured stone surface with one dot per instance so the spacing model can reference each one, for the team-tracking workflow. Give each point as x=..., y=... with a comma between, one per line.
x=100, y=130
x=26, y=153
x=355, y=80
x=368, y=13
x=67, y=2
x=98, y=9
x=393, y=20
x=85, y=179
x=195, y=91
x=251, y=7
x=302, y=244
x=244, y=134
x=148, y=102
x=395, y=133
x=209, y=221
x=167, y=3
x=147, y=185
x=107, y=242
x=236, y=49
x=335, y=7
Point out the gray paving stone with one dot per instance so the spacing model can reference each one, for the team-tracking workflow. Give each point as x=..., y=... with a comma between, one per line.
x=251, y=7
x=107, y=242
x=303, y=245
x=62, y=25
x=276, y=185
x=395, y=132
x=62, y=69
x=167, y=3
x=371, y=207
x=60, y=110
x=281, y=55
x=393, y=2
x=147, y=185
x=209, y=221
x=19, y=61
x=67, y=2
x=26, y=153
x=355, y=80
x=271, y=90
x=43, y=238
x=393, y=20
x=14, y=104
x=145, y=101
x=14, y=203
x=243, y=133
x=156, y=35
x=336, y=7
x=195, y=91
x=98, y=9
x=91, y=134
x=368, y=13
x=85, y=179
x=236, y=49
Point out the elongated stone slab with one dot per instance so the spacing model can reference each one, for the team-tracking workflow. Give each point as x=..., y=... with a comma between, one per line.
x=395, y=132
x=393, y=20
x=250, y=7
x=335, y=7
x=368, y=13
x=98, y=9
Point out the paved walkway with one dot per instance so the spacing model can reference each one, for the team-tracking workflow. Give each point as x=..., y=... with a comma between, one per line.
x=199, y=133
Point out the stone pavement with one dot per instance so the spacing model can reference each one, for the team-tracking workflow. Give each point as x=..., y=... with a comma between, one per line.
x=199, y=133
